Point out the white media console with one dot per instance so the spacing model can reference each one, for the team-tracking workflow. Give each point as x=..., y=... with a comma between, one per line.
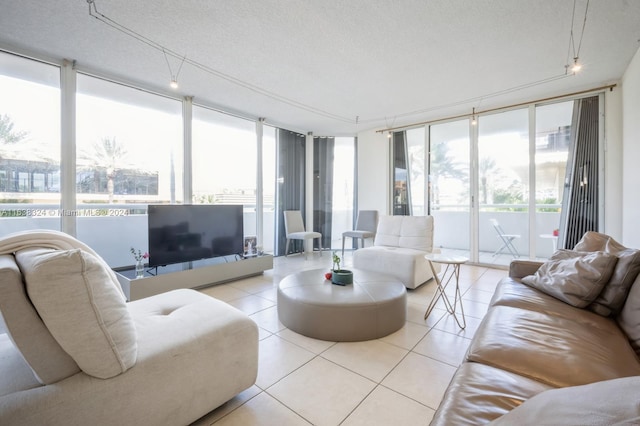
x=196, y=274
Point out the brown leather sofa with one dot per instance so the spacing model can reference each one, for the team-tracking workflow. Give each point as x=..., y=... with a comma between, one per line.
x=536, y=359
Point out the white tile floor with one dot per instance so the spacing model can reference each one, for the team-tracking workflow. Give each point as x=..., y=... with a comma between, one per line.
x=398, y=379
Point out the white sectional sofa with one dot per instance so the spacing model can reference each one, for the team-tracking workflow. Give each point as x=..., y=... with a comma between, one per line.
x=73, y=352
x=399, y=248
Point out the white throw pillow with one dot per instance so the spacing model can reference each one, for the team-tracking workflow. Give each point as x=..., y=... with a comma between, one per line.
x=611, y=402
x=83, y=310
x=49, y=362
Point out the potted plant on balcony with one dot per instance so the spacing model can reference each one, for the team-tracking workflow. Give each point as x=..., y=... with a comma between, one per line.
x=340, y=276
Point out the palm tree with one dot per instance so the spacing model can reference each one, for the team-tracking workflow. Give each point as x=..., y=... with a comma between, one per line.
x=7, y=134
x=108, y=154
x=486, y=167
x=442, y=165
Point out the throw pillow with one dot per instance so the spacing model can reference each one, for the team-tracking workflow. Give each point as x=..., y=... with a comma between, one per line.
x=612, y=298
x=49, y=362
x=576, y=278
x=83, y=310
x=610, y=402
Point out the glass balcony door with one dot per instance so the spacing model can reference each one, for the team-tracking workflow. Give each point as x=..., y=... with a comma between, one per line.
x=449, y=186
x=552, y=142
x=503, y=187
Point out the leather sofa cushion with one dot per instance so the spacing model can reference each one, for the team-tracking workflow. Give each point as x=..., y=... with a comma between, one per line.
x=612, y=297
x=479, y=393
x=576, y=278
x=629, y=318
x=554, y=350
x=522, y=268
x=48, y=361
x=82, y=308
x=608, y=402
x=510, y=292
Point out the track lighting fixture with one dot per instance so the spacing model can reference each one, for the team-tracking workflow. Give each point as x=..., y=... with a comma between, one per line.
x=174, y=77
x=572, y=51
x=576, y=66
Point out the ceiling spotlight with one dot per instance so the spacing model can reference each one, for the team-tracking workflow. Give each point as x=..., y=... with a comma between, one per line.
x=576, y=65
x=389, y=135
x=473, y=117
x=174, y=77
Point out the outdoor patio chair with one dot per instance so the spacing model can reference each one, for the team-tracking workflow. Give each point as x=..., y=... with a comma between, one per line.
x=507, y=240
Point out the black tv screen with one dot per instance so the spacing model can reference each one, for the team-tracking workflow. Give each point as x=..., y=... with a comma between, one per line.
x=183, y=232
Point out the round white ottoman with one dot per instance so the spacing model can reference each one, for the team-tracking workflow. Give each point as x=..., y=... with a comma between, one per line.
x=373, y=306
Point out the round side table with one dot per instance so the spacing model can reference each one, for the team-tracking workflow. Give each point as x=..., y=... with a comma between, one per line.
x=452, y=270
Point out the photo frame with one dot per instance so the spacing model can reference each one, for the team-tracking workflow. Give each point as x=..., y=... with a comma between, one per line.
x=250, y=246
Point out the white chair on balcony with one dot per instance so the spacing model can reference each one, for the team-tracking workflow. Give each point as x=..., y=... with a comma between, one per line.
x=506, y=239
x=294, y=230
x=366, y=224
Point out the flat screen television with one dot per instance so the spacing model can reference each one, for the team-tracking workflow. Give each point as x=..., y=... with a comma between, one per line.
x=184, y=232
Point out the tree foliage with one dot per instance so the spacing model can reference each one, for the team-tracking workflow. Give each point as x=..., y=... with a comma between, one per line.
x=7, y=134
x=108, y=153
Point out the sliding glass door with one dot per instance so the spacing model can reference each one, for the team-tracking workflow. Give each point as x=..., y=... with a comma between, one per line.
x=496, y=186
x=503, y=187
x=553, y=139
x=449, y=185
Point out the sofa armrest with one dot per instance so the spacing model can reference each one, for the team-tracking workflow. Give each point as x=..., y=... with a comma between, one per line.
x=522, y=268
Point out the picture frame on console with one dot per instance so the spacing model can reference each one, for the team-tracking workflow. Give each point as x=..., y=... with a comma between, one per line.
x=250, y=246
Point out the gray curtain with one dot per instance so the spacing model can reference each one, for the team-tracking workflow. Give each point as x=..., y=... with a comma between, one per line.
x=290, y=195
x=323, y=151
x=580, y=203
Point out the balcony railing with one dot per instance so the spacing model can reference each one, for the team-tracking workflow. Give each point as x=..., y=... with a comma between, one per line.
x=112, y=229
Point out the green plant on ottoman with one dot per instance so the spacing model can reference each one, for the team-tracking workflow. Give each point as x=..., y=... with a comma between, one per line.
x=340, y=276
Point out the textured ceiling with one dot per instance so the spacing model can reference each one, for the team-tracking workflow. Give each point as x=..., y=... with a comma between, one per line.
x=317, y=65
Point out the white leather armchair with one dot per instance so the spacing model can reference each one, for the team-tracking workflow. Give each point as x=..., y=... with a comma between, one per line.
x=399, y=248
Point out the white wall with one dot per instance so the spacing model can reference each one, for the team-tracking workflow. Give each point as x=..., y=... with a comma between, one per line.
x=631, y=150
x=373, y=172
x=613, y=162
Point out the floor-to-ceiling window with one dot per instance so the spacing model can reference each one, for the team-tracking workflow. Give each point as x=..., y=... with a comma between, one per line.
x=224, y=158
x=129, y=153
x=449, y=183
x=416, y=169
x=343, y=188
x=503, y=186
x=29, y=144
x=553, y=138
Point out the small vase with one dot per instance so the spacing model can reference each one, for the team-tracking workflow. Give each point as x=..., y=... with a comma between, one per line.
x=139, y=269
